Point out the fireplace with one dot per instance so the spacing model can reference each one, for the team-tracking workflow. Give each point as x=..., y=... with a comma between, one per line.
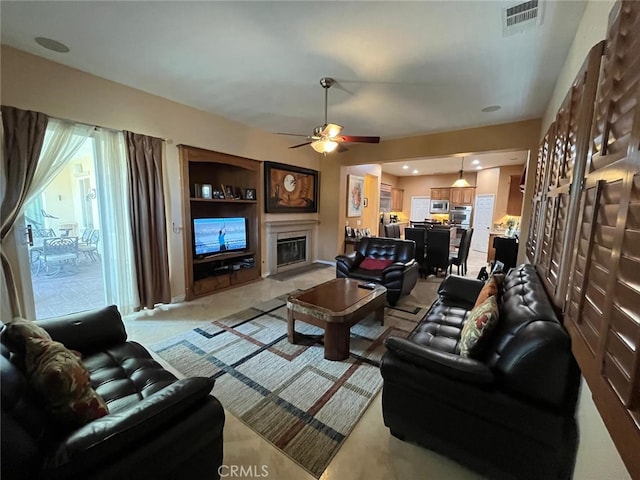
x=291, y=251
x=290, y=244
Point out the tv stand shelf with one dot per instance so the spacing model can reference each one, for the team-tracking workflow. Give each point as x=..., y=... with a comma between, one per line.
x=219, y=271
x=223, y=256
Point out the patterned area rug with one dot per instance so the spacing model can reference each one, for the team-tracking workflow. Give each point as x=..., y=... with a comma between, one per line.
x=289, y=394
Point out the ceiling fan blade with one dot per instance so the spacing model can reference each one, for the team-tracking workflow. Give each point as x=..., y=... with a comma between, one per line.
x=357, y=139
x=291, y=134
x=300, y=145
x=331, y=130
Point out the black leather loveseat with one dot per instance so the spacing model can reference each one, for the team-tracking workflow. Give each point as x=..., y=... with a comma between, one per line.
x=509, y=412
x=400, y=274
x=158, y=426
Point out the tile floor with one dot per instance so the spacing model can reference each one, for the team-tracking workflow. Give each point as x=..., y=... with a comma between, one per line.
x=369, y=452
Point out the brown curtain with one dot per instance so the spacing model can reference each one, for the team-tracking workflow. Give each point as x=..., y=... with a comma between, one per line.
x=148, y=218
x=23, y=138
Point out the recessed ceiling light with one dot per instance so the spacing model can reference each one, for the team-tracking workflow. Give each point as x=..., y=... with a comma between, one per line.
x=479, y=167
x=491, y=108
x=415, y=171
x=52, y=45
x=475, y=162
x=405, y=167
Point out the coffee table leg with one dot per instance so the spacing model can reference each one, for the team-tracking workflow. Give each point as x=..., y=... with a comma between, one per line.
x=336, y=341
x=380, y=315
x=291, y=324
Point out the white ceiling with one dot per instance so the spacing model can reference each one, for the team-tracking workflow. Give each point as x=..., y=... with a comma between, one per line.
x=404, y=68
x=440, y=165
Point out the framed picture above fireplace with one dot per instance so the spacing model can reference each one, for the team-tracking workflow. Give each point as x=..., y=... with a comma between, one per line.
x=290, y=189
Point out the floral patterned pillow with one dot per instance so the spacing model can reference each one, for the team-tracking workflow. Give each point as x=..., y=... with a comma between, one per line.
x=61, y=379
x=481, y=320
x=16, y=333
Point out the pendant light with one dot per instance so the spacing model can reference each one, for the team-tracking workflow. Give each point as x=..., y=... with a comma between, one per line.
x=461, y=182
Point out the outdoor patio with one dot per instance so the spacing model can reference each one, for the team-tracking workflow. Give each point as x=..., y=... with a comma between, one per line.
x=73, y=289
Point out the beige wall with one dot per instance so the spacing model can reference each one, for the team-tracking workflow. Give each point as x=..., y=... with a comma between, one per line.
x=33, y=83
x=592, y=29
x=502, y=197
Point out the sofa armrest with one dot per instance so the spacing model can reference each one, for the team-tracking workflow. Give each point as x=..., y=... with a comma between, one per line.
x=349, y=261
x=395, y=266
x=109, y=436
x=87, y=332
x=460, y=289
x=451, y=365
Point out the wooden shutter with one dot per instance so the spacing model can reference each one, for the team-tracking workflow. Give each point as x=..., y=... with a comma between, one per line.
x=539, y=190
x=603, y=312
x=569, y=154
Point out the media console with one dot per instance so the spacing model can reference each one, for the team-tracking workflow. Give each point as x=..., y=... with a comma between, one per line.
x=208, y=173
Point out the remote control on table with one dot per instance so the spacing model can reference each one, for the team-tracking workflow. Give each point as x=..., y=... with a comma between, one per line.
x=368, y=286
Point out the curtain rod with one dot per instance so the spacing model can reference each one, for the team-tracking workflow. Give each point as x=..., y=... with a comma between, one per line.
x=99, y=127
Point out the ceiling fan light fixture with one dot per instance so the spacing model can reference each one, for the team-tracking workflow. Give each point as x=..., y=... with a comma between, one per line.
x=461, y=181
x=324, y=146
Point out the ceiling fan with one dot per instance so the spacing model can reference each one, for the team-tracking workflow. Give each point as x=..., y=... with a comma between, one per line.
x=326, y=138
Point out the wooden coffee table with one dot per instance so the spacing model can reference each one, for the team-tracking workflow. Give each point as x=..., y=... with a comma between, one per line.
x=335, y=305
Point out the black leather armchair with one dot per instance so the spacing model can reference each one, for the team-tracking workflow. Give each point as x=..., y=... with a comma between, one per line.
x=507, y=413
x=157, y=426
x=399, y=277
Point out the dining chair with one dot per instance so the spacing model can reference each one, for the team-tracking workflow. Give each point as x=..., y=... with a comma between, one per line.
x=437, y=250
x=59, y=252
x=459, y=258
x=90, y=249
x=418, y=235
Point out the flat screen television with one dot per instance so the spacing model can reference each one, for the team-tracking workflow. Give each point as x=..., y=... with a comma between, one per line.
x=219, y=234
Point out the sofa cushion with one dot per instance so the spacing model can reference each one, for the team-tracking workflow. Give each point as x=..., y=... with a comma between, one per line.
x=62, y=381
x=491, y=287
x=482, y=319
x=371, y=263
x=15, y=334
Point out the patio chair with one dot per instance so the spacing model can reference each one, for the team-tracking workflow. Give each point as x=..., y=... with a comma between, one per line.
x=86, y=236
x=90, y=249
x=59, y=252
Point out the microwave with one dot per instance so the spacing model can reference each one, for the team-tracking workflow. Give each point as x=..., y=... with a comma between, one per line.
x=439, y=206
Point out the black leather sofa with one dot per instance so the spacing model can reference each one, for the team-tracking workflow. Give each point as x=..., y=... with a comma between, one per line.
x=509, y=413
x=157, y=427
x=399, y=277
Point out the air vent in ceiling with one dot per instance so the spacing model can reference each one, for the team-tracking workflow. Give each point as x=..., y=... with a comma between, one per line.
x=521, y=16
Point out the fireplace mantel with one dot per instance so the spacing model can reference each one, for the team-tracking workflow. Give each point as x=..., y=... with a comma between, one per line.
x=279, y=229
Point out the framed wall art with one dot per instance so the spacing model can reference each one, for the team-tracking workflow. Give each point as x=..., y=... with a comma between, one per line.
x=290, y=189
x=355, y=188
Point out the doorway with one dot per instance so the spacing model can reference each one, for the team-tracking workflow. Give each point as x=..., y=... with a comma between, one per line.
x=66, y=261
x=482, y=219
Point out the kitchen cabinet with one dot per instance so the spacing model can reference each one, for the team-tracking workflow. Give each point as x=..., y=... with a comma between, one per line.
x=397, y=196
x=462, y=196
x=514, y=203
x=440, y=193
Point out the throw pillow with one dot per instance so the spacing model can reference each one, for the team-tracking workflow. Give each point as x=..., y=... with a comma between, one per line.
x=477, y=326
x=370, y=263
x=491, y=287
x=62, y=381
x=19, y=330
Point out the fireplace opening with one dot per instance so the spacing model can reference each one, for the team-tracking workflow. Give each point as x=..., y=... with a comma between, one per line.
x=291, y=250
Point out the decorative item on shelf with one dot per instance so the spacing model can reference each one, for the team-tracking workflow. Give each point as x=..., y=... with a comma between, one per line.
x=461, y=182
x=238, y=193
x=354, y=196
x=197, y=190
x=249, y=193
x=348, y=232
x=290, y=189
x=217, y=194
x=367, y=232
x=228, y=192
x=206, y=190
